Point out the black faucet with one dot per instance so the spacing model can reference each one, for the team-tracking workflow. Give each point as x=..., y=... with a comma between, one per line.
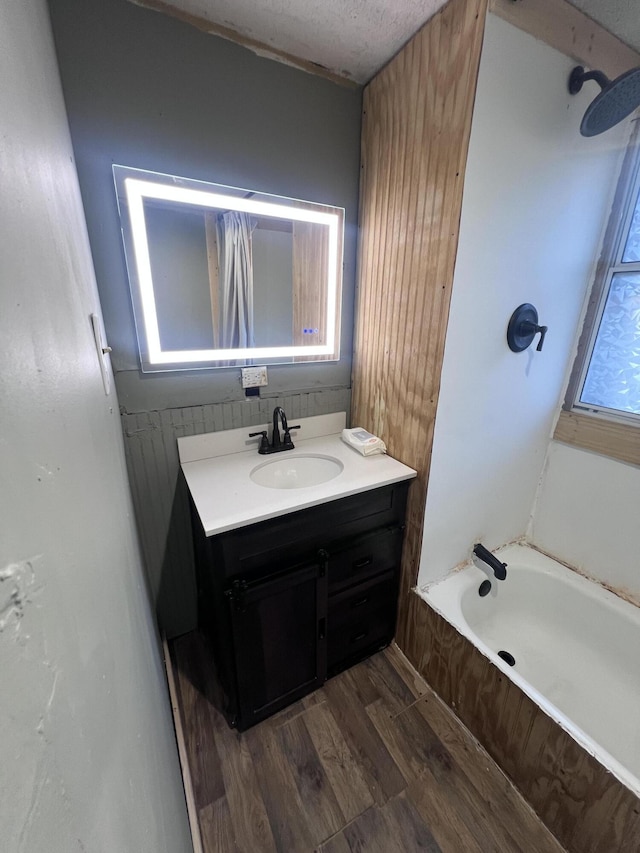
x=485, y=556
x=278, y=444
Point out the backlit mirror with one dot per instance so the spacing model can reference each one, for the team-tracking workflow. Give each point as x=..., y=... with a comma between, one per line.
x=222, y=276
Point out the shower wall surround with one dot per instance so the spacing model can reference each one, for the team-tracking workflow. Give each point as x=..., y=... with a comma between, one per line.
x=148, y=91
x=536, y=201
x=586, y=515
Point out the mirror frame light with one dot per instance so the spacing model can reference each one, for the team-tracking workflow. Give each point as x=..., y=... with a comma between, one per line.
x=186, y=191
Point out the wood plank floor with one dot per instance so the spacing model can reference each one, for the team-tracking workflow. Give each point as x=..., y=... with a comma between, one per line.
x=373, y=762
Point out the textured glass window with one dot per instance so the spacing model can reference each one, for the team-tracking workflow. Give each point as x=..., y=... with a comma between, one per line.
x=606, y=376
x=613, y=377
x=631, y=253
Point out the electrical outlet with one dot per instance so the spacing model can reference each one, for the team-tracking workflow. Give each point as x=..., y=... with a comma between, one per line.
x=253, y=377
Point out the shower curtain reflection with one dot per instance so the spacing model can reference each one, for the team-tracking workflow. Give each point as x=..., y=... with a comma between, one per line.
x=235, y=279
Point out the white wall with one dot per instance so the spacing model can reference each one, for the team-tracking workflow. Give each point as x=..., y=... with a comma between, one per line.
x=535, y=202
x=87, y=751
x=587, y=515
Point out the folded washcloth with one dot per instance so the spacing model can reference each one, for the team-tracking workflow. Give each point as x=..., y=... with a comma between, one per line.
x=363, y=441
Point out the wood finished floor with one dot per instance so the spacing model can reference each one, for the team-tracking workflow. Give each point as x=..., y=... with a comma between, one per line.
x=373, y=762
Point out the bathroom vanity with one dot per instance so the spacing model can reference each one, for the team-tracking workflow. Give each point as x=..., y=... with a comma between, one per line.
x=295, y=582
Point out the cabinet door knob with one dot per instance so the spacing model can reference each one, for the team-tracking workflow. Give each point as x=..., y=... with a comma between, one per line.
x=236, y=595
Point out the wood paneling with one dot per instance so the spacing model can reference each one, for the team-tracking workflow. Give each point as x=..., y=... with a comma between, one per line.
x=373, y=761
x=310, y=249
x=570, y=31
x=416, y=125
x=609, y=438
x=584, y=806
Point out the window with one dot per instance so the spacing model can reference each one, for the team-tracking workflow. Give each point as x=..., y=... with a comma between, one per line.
x=606, y=376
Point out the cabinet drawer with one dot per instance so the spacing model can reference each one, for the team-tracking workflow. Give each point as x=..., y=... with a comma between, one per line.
x=251, y=551
x=360, y=621
x=368, y=556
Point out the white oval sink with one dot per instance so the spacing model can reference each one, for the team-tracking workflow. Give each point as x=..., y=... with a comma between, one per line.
x=296, y=472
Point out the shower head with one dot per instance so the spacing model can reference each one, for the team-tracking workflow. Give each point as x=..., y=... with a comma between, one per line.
x=618, y=98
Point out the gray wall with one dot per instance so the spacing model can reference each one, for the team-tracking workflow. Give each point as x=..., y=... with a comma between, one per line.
x=147, y=91
x=87, y=755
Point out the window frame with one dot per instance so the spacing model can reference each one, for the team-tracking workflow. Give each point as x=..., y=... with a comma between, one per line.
x=603, y=430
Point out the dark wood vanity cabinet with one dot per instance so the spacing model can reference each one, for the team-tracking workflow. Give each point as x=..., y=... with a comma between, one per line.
x=293, y=600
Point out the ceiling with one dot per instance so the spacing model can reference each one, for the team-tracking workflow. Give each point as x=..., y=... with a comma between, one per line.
x=620, y=17
x=350, y=38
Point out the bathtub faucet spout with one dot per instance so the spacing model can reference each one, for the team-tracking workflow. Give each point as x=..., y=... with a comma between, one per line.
x=483, y=558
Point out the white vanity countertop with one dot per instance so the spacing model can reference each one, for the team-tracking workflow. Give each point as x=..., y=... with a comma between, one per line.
x=227, y=498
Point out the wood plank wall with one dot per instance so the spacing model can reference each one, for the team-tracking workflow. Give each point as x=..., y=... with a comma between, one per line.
x=310, y=275
x=585, y=806
x=416, y=126
x=609, y=438
x=561, y=25
x=310, y=253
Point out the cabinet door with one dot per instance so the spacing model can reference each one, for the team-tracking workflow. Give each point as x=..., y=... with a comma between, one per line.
x=279, y=636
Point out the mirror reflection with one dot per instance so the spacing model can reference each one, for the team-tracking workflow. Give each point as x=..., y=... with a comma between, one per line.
x=225, y=276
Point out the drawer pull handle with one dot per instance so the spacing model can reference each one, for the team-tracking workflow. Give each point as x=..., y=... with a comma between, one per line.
x=357, y=637
x=362, y=562
x=360, y=601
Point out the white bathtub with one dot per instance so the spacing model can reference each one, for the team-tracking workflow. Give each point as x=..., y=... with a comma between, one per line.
x=576, y=648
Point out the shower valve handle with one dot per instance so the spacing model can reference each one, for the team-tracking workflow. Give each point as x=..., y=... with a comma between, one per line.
x=533, y=329
x=529, y=328
x=543, y=332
